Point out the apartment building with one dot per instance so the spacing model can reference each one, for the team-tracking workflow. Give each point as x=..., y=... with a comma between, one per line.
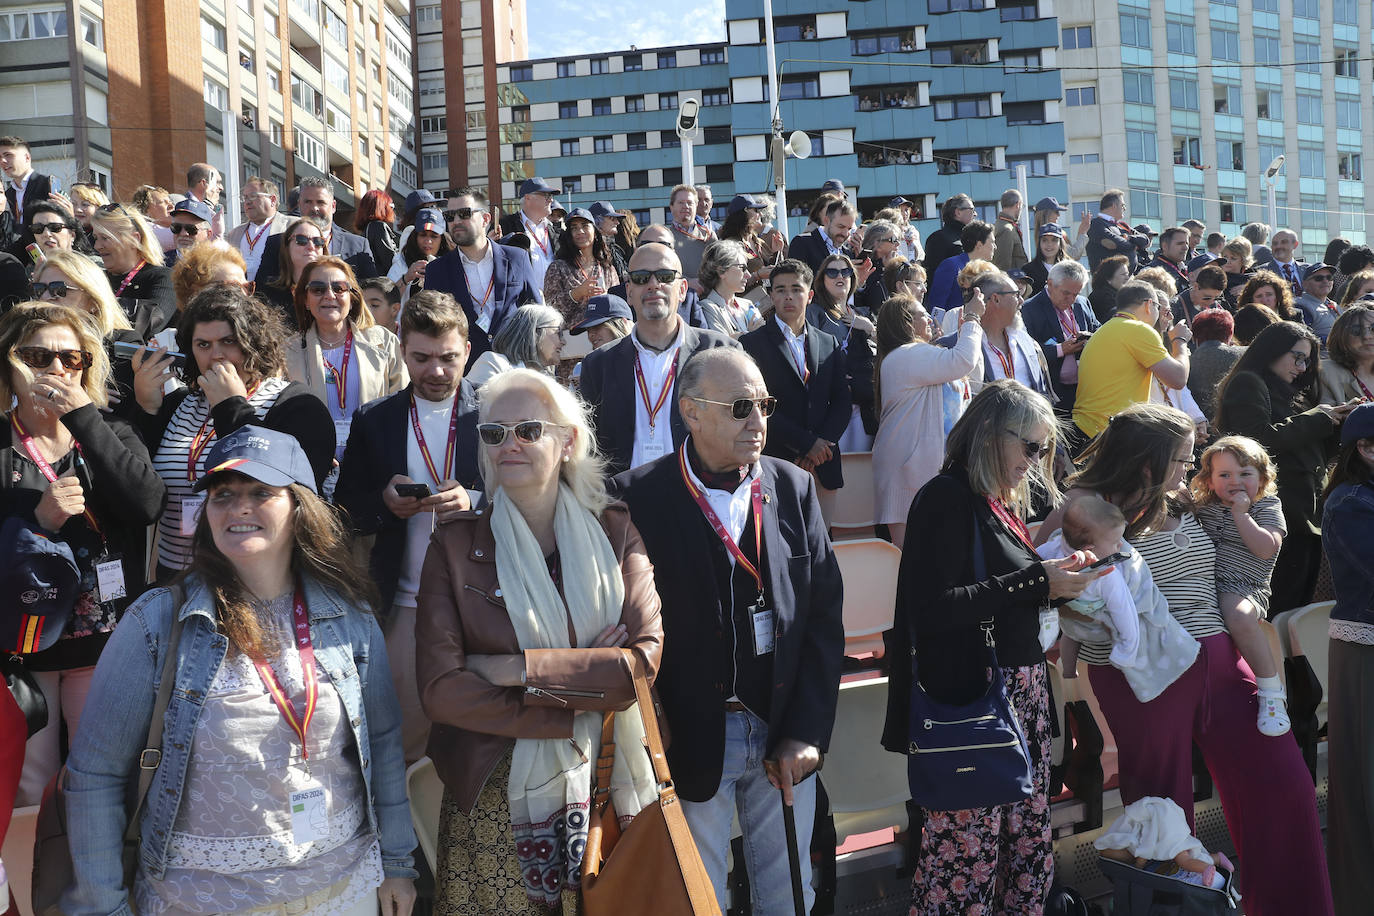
x=1187, y=104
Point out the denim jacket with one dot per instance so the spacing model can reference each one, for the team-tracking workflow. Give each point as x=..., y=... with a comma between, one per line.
x=103, y=767
x=1348, y=536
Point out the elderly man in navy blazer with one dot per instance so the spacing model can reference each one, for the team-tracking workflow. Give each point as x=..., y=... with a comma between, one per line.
x=631, y=385
x=753, y=635
x=317, y=200
x=1060, y=320
x=489, y=280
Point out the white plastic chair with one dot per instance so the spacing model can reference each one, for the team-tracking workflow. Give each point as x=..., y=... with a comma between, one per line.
x=854, y=502
x=1308, y=635
x=867, y=785
x=426, y=793
x=869, y=568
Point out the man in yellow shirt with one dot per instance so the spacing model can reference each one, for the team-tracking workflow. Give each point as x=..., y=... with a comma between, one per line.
x=1123, y=358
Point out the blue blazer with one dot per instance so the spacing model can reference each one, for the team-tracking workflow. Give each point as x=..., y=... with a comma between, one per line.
x=512, y=286
x=1043, y=325
x=803, y=586
x=342, y=244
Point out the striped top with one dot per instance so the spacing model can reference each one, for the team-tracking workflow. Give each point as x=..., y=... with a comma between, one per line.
x=173, y=453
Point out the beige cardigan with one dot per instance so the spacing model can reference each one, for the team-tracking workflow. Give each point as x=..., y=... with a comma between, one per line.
x=1337, y=383
x=376, y=354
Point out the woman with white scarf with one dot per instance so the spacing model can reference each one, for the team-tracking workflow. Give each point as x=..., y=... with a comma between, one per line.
x=522, y=612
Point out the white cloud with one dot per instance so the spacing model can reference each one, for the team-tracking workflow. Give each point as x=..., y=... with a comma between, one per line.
x=554, y=26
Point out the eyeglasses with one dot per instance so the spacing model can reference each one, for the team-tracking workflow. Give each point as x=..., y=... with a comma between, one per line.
x=1301, y=360
x=963, y=209
x=1188, y=463
x=58, y=289
x=552, y=328
x=1361, y=330
x=526, y=431
x=249, y=198
x=663, y=275
x=741, y=408
x=305, y=241
x=1034, y=450
x=319, y=287
x=179, y=228
x=112, y=208
x=834, y=273
x=42, y=357
x=463, y=213
x=1006, y=292
x=45, y=228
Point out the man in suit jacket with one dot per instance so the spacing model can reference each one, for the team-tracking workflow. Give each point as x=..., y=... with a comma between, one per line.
x=804, y=369
x=813, y=247
x=533, y=219
x=317, y=201
x=489, y=280
x=384, y=450
x=749, y=677
x=262, y=221
x=1106, y=236
x=1173, y=248
x=631, y=384
x=25, y=186
x=1061, y=321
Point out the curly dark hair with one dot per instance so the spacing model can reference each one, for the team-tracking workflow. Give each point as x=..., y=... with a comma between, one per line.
x=256, y=327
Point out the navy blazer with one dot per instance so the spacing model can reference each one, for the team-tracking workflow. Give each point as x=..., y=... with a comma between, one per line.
x=377, y=450
x=608, y=386
x=1042, y=324
x=342, y=244
x=809, y=248
x=803, y=586
x=817, y=409
x=512, y=286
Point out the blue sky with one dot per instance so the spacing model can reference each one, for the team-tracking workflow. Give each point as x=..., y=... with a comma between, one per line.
x=559, y=28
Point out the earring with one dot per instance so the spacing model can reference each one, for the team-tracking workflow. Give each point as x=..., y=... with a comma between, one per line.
x=566, y=458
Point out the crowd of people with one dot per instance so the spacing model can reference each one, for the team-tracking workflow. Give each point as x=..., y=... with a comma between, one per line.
x=324, y=502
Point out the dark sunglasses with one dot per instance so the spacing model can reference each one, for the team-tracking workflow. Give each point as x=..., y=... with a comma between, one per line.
x=1034, y=450
x=111, y=208
x=319, y=287
x=835, y=273
x=741, y=408
x=55, y=288
x=307, y=240
x=463, y=213
x=42, y=357
x=664, y=275
x=179, y=228
x=45, y=228
x=526, y=431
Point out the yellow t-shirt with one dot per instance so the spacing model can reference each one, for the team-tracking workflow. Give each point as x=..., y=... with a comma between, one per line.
x=1114, y=371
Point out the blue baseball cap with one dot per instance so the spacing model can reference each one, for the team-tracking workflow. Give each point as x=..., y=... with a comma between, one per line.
x=1308, y=270
x=601, y=309
x=1048, y=203
x=898, y=202
x=834, y=184
x=602, y=209
x=41, y=583
x=197, y=208
x=537, y=185
x=417, y=199
x=581, y=213
x=1053, y=229
x=1359, y=424
x=265, y=455
x=430, y=219
x=743, y=202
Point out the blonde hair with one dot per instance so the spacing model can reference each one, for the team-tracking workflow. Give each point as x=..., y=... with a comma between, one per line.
x=24, y=320
x=89, y=193
x=1159, y=278
x=195, y=267
x=584, y=470
x=106, y=313
x=1248, y=454
x=1003, y=408
x=973, y=270
x=118, y=221
x=1239, y=247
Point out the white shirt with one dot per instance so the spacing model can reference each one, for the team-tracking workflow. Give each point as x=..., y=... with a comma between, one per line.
x=19, y=188
x=434, y=419
x=481, y=284
x=541, y=247
x=252, y=242
x=653, y=442
x=730, y=506
x=1019, y=364
x=796, y=343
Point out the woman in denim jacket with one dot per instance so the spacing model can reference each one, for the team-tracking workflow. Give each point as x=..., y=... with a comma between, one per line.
x=282, y=734
x=1348, y=535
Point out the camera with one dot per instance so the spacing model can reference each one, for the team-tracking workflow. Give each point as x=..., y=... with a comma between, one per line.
x=687, y=115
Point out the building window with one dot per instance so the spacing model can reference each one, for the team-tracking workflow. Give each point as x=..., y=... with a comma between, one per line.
x=713, y=56
x=1231, y=155
x=1226, y=99
x=1180, y=37
x=632, y=62
x=1352, y=216
x=569, y=147
x=800, y=86
x=1307, y=56
x=714, y=135
x=572, y=184
x=309, y=149
x=1074, y=37
x=1021, y=62
x=519, y=74
x=1311, y=162
x=1035, y=165
x=1135, y=31
x=274, y=79
x=1266, y=49
x=1309, y=108
x=92, y=31
x=1187, y=151
x=1232, y=211
x=725, y=171
x=638, y=140
x=882, y=43
x=274, y=133
x=1145, y=204
x=522, y=152
x=603, y=144
x=336, y=26
x=431, y=85
x=306, y=96
x=633, y=103
x=667, y=60
x=639, y=178
x=567, y=68
x=566, y=109
x=1225, y=44
x=1307, y=9
x=1080, y=96
x=1343, y=11
x=601, y=106
x=668, y=139
x=600, y=65
x=399, y=91
x=1084, y=158
x=1349, y=167
x=1268, y=6
x=1347, y=112
x=715, y=97
x=1183, y=93
x=1347, y=62
x=211, y=33
x=671, y=177
x=1141, y=146
x=667, y=101
x=336, y=74
x=952, y=109
x=434, y=125
x=1269, y=104
x=429, y=13
x=605, y=182
x=435, y=162
x=955, y=6
x=216, y=95
x=1018, y=10
x=1189, y=206
x=475, y=119
x=1019, y=114
x=956, y=161
x=963, y=53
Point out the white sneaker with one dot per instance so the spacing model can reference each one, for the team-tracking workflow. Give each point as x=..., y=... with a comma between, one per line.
x=1273, y=714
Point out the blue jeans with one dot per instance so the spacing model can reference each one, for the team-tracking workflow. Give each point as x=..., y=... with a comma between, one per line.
x=744, y=785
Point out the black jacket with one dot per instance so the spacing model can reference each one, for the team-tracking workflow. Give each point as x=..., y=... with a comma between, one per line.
x=1180, y=281
x=378, y=445
x=810, y=248
x=342, y=244
x=14, y=281
x=941, y=244
x=381, y=241
x=511, y=222
x=1038, y=273
x=803, y=587
x=149, y=301
x=38, y=189
x=860, y=353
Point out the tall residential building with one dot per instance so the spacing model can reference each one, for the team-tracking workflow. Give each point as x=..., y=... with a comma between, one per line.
x=460, y=43
x=603, y=127
x=1187, y=104
x=134, y=91
x=918, y=98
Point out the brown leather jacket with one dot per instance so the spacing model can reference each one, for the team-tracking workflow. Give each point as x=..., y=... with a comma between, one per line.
x=461, y=612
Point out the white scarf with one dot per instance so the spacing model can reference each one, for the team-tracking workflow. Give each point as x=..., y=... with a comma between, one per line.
x=551, y=778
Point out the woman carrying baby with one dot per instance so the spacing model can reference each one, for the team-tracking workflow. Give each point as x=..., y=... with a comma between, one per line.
x=1139, y=464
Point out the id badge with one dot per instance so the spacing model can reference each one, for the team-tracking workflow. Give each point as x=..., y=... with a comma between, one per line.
x=309, y=817
x=763, y=631
x=109, y=578
x=1049, y=628
x=653, y=449
x=191, y=507
x=341, y=428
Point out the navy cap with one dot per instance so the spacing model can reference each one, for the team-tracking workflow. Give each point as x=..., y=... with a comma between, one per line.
x=197, y=208
x=834, y=184
x=601, y=309
x=417, y=199
x=743, y=202
x=602, y=209
x=266, y=455
x=1048, y=203
x=537, y=185
x=582, y=213
x=1053, y=229
x=1144, y=230
x=431, y=219
x=898, y=202
x=1359, y=424
x=41, y=583
x=1202, y=261
x=1308, y=270
x=556, y=206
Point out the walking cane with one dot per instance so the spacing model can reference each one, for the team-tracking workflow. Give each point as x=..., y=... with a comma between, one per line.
x=789, y=825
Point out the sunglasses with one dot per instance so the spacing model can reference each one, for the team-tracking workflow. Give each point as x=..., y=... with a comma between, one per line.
x=463, y=213
x=55, y=288
x=664, y=275
x=835, y=273
x=741, y=408
x=179, y=228
x=42, y=357
x=305, y=241
x=1034, y=450
x=526, y=431
x=45, y=228
x=319, y=287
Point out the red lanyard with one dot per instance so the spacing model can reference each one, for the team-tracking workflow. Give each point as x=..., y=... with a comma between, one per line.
x=434, y=472
x=1008, y=367
x=301, y=623
x=1013, y=523
x=1069, y=327
x=756, y=499
x=491, y=283
x=663, y=393
x=253, y=239
x=544, y=243
x=128, y=278
x=46, y=469
x=1164, y=393
x=203, y=437
x=341, y=375
x=1363, y=387
x=691, y=233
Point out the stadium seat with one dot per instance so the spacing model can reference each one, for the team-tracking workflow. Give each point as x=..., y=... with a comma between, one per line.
x=867, y=785
x=18, y=856
x=869, y=568
x=855, y=509
x=1307, y=635
x=426, y=793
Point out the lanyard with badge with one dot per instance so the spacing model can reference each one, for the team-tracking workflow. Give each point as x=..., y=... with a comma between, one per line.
x=759, y=613
x=652, y=447
x=109, y=567
x=436, y=473
x=191, y=506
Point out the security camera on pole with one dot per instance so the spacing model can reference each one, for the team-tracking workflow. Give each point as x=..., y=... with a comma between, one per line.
x=687, y=130
x=1269, y=175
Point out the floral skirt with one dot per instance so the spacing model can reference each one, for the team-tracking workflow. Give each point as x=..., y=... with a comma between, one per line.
x=478, y=873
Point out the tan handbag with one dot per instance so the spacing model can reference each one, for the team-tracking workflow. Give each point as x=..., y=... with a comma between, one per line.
x=653, y=866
